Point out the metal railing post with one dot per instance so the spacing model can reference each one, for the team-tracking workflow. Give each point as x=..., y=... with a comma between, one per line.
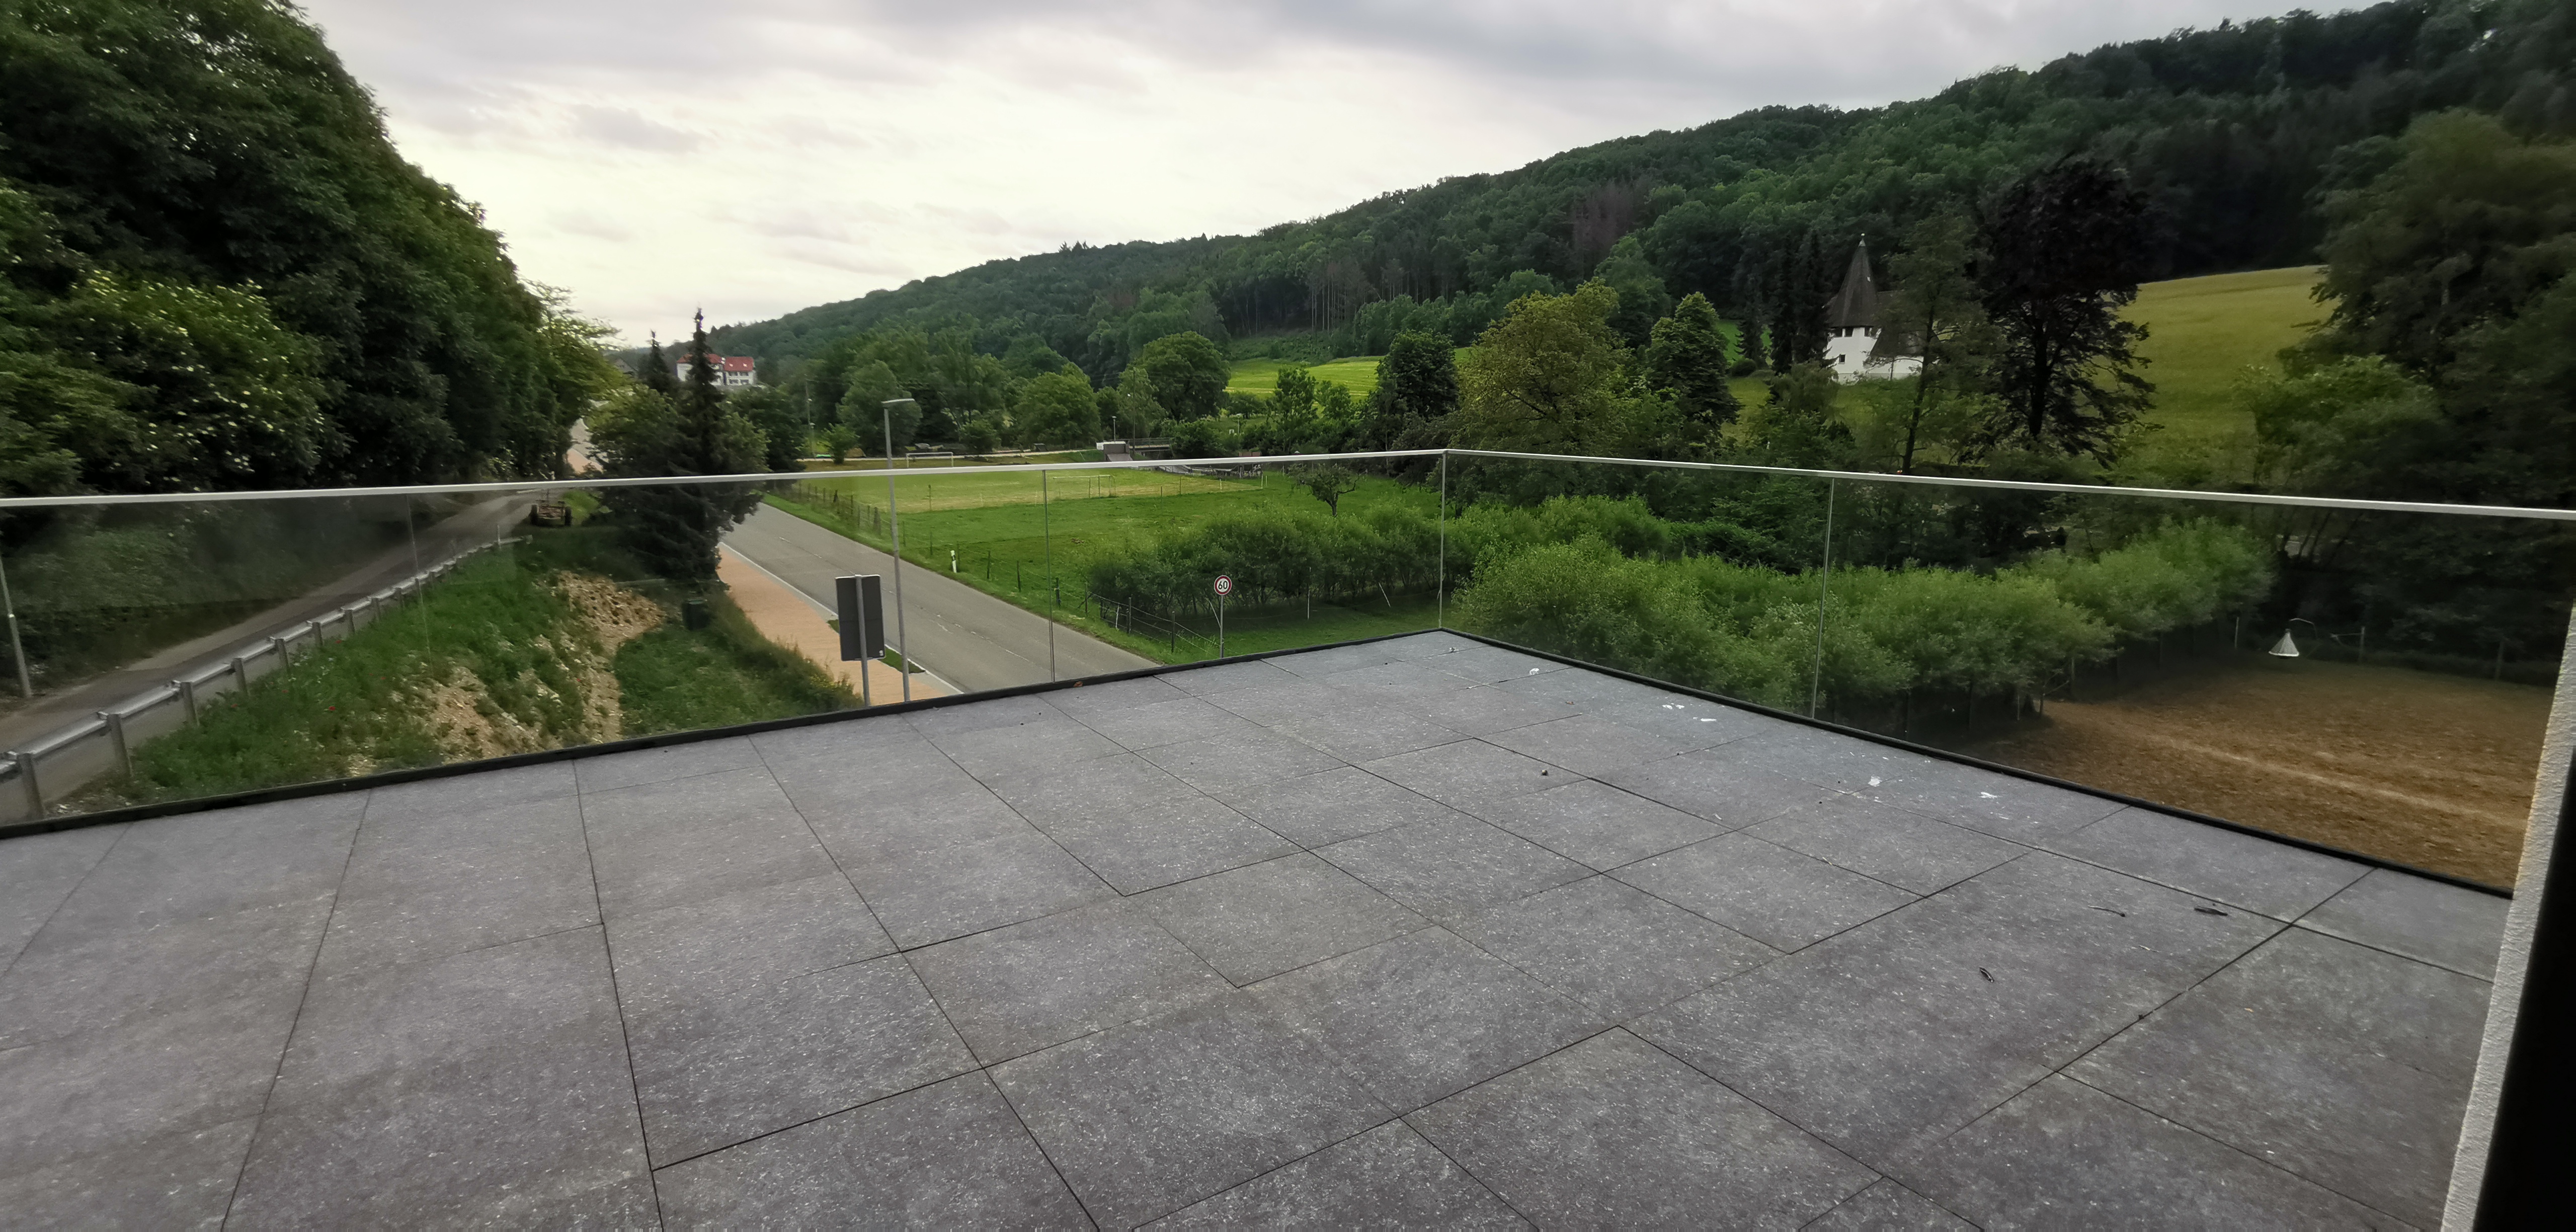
x=27, y=779
x=17, y=650
x=187, y=695
x=115, y=721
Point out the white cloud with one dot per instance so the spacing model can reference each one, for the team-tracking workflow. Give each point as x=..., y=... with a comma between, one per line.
x=760, y=157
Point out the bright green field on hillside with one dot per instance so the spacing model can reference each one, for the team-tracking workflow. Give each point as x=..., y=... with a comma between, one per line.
x=2205, y=333
x=1261, y=376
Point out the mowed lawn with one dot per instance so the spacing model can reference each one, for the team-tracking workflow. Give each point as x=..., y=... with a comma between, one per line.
x=2204, y=334
x=1261, y=376
x=991, y=531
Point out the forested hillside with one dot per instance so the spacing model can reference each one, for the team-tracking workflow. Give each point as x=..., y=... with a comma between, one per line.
x=2235, y=131
x=216, y=271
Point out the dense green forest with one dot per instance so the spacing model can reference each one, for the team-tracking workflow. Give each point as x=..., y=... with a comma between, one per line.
x=216, y=271
x=2237, y=133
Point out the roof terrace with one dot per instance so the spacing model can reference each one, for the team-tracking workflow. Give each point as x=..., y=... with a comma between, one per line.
x=1420, y=930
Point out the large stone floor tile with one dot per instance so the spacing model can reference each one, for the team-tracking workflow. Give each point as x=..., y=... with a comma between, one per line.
x=1490, y=664
x=1586, y=744
x=1319, y=809
x=1397, y=682
x=867, y=739
x=2240, y=870
x=1612, y=1133
x=1090, y=790
x=1997, y=804
x=38, y=872
x=1177, y=721
x=1765, y=891
x=2344, y=1064
x=1158, y=844
x=1085, y=701
x=1468, y=773
x=1151, y=1117
x=1363, y=732
x=1387, y=1177
x=720, y=1068
x=1322, y=664
x=1690, y=721
x=968, y=887
x=1449, y=867
x=1271, y=702
x=1829, y=758
x=1906, y=850
x=1239, y=760
x=1482, y=710
x=490, y=1087
x=1895, y=1033
x=700, y=837
x=1024, y=747
x=1598, y=825
x=2444, y=925
x=1426, y=1015
x=922, y=823
x=1227, y=678
x=1254, y=922
x=901, y=767
x=949, y=1155
x=154, y=1076
x=610, y=771
x=1887, y=1207
x=1617, y=949
x=64, y=985
x=2063, y=1155
x=177, y=1180
x=1719, y=788
x=669, y=959
x=193, y=865
x=1015, y=990
x=958, y=718
x=430, y=884
x=477, y=791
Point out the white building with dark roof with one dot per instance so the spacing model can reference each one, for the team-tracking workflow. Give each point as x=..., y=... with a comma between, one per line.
x=1852, y=350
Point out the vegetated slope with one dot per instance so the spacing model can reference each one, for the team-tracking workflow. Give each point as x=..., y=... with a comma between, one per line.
x=2235, y=129
x=217, y=272
x=524, y=648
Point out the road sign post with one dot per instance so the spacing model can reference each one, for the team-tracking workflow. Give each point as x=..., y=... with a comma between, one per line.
x=1224, y=587
x=861, y=603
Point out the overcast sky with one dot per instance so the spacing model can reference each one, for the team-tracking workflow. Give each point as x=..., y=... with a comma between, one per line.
x=765, y=155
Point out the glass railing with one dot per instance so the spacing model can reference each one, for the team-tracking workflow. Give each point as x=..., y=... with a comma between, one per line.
x=169, y=648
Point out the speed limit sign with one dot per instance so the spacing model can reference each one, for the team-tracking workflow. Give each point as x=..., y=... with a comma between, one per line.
x=1224, y=584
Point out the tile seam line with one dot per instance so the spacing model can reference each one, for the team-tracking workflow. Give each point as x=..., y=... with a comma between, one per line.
x=82, y=880
x=286, y=1045
x=1465, y=1171
x=2313, y=930
x=2206, y=1136
x=617, y=1001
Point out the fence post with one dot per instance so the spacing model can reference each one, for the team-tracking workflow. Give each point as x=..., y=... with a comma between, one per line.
x=27, y=777
x=116, y=737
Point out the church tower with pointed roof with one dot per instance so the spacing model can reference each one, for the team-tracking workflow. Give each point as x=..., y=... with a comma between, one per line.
x=1852, y=350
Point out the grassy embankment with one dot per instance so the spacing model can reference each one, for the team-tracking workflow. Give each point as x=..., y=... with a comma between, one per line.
x=527, y=647
x=1000, y=536
x=2203, y=335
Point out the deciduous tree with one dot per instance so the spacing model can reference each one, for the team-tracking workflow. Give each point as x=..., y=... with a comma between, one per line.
x=2062, y=249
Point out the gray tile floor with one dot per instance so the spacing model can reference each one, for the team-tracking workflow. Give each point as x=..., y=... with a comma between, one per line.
x=1423, y=932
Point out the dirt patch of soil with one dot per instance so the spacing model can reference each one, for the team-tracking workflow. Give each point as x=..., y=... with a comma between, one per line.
x=2430, y=770
x=615, y=614
x=469, y=726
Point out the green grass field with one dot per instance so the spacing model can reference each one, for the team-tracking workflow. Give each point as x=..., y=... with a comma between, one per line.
x=2203, y=334
x=997, y=537
x=1261, y=376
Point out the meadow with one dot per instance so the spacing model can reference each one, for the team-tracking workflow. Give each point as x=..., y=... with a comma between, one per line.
x=1261, y=376
x=2205, y=334
x=992, y=532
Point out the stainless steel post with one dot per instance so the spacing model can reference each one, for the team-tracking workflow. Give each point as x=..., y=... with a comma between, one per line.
x=1824, y=589
x=187, y=695
x=27, y=779
x=17, y=651
x=894, y=531
x=116, y=737
x=1046, y=539
x=1440, y=591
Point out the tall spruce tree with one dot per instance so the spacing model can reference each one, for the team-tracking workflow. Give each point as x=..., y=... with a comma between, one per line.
x=2063, y=248
x=1686, y=359
x=673, y=529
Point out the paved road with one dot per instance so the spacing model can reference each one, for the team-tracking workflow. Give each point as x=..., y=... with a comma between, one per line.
x=481, y=522
x=968, y=638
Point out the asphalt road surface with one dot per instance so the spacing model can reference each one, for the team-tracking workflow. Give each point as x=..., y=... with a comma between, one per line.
x=966, y=637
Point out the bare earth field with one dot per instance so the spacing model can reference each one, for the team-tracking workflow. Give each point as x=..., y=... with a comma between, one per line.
x=2429, y=770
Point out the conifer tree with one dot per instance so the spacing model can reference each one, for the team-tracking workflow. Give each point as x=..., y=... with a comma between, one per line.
x=1686, y=358
x=657, y=370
